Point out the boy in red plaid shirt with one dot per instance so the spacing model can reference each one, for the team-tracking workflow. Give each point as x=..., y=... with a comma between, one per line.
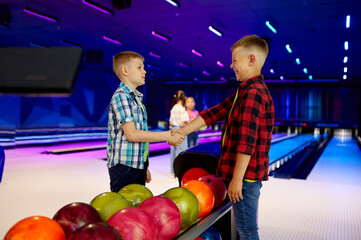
x=246, y=135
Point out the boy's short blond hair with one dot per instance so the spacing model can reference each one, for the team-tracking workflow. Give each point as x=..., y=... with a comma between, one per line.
x=253, y=41
x=123, y=58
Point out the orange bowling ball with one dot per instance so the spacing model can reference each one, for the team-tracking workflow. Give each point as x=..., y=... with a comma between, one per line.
x=36, y=228
x=203, y=193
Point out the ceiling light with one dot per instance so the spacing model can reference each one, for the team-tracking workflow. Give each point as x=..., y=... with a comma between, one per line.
x=40, y=15
x=345, y=69
x=206, y=73
x=288, y=48
x=305, y=70
x=197, y=53
x=155, y=55
x=298, y=61
x=346, y=45
x=310, y=77
x=215, y=31
x=161, y=36
x=174, y=3
x=184, y=65
x=272, y=71
x=282, y=78
x=345, y=59
x=220, y=64
x=37, y=45
x=344, y=77
x=98, y=7
x=112, y=40
x=223, y=79
x=153, y=67
x=269, y=25
x=65, y=42
x=348, y=21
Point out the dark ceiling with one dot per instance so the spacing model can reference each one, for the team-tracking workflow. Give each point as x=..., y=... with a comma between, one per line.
x=314, y=29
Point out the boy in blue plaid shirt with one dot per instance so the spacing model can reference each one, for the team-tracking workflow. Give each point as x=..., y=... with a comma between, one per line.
x=128, y=136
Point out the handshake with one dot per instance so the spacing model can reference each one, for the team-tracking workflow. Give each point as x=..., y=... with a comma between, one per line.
x=175, y=137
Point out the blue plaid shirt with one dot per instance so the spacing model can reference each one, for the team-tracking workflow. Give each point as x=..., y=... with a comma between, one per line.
x=125, y=106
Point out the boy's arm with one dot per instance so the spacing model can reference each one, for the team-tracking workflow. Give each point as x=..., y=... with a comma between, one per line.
x=236, y=184
x=135, y=135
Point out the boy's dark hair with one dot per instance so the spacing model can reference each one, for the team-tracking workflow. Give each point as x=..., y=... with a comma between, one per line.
x=179, y=95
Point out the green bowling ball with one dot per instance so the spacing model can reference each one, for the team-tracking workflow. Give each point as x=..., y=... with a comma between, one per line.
x=135, y=193
x=108, y=203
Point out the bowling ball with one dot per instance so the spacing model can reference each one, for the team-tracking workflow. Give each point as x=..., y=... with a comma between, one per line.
x=108, y=203
x=135, y=194
x=198, y=238
x=96, y=231
x=211, y=234
x=218, y=187
x=166, y=216
x=35, y=228
x=134, y=224
x=193, y=174
x=187, y=204
x=75, y=215
x=203, y=193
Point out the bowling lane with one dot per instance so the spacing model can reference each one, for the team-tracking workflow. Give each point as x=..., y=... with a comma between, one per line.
x=282, y=148
x=339, y=163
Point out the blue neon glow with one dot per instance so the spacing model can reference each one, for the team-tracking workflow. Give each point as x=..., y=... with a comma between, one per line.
x=288, y=48
x=215, y=31
x=305, y=70
x=310, y=77
x=348, y=21
x=346, y=45
x=344, y=77
x=298, y=61
x=345, y=69
x=173, y=3
x=282, y=78
x=272, y=71
x=269, y=25
x=345, y=59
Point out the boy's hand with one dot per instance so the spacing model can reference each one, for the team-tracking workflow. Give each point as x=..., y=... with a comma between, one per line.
x=235, y=191
x=149, y=177
x=179, y=131
x=175, y=139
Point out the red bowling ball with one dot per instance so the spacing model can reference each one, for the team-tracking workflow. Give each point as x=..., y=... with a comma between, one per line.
x=218, y=187
x=96, y=231
x=75, y=215
x=166, y=216
x=193, y=174
x=134, y=224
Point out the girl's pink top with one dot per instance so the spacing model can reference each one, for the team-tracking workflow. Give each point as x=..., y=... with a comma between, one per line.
x=192, y=114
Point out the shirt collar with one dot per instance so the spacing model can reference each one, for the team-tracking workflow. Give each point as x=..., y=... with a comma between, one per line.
x=251, y=81
x=123, y=87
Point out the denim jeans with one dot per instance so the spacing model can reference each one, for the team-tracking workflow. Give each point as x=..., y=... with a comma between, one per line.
x=121, y=175
x=245, y=211
x=192, y=139
x=175, y=151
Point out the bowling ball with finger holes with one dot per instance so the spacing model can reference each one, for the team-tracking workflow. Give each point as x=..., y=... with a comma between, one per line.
x=75, y=215
x=187, y=204
x=134, y=224
x=166, y=215
x=193, y=174
x=108, y=203
x=204, y=195
x=135, y=194
x=96, y=231
x=218, y=187
x=35, y=228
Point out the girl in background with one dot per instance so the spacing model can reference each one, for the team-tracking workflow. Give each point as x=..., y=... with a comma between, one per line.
x=192, y=113
x=178, y=118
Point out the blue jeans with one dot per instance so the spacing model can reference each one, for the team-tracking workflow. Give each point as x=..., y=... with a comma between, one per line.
x=175, y=151
x=245, y=211
x=192, y=139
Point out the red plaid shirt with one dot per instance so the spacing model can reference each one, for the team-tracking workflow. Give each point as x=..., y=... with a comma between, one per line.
x=249, y=129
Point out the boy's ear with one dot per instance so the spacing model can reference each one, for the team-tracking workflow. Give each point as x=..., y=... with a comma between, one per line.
x=252, y=59
x=124, y=70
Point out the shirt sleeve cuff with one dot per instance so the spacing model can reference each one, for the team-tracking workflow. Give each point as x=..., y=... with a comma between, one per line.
x=204, y=114
x=246, y=149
